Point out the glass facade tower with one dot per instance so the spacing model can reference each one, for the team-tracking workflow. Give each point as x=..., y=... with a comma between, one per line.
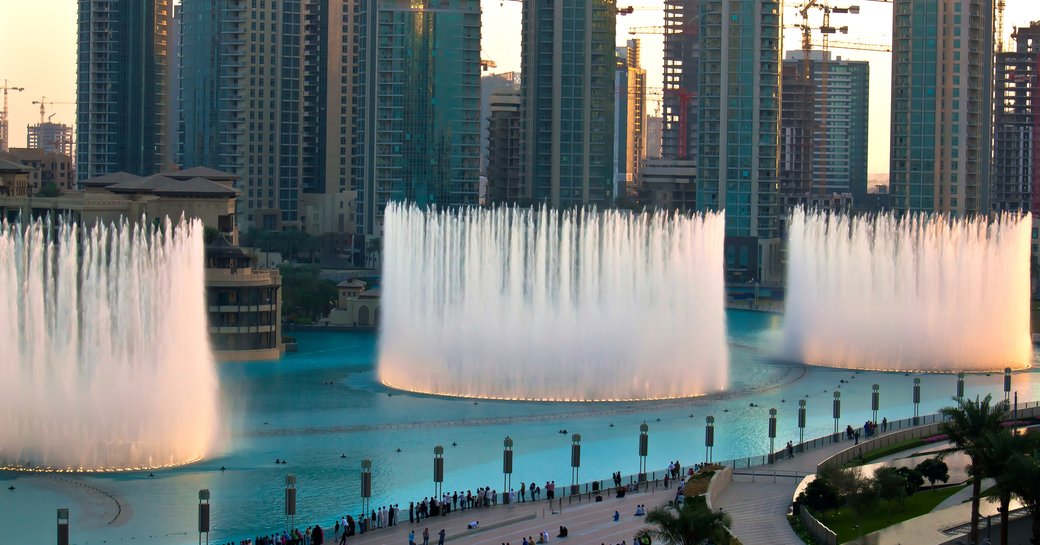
x=567, y=102
x=417, y=106
x=942, y=82
x=121, y=78
x=739, y=124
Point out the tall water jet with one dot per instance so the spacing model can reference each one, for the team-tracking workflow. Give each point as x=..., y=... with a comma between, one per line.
x=521, y=304
x=106, y=360
x=917, y=293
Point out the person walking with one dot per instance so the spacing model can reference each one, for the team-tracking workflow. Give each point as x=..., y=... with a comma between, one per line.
x=440, y=537
x=411, y=537
x=426, y=536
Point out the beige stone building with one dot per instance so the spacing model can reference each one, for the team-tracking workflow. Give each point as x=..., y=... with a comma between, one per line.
x=48, y=167
x=357, y=306
x=14, y=178
x=244, y=302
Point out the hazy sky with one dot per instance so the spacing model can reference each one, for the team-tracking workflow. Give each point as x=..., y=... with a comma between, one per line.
x=38, y=52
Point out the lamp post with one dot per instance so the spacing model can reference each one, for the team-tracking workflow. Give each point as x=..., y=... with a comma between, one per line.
x=575, y=461
x=63, y=526
x=836, y=411
x=1007, y=385
x=366, y=484
x=507, y=467
x=290, y=502
x=917, y=401
x=772, y=435
x=438, y=471
x=204, y=514
x=875, y=401
x=709, y=437
x=960, y=387
x=644, y=443
x=801, y=425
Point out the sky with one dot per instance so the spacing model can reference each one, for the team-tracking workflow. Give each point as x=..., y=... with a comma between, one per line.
x=38, y=52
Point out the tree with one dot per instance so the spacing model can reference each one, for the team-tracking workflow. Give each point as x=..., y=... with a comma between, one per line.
x=890, y=484
x=934, y=470
x=914, y=479
x=1001, y=447
x=691, y=524
x=49, y=189
x=305, y=296
x=1026, y=486
x=967, y=424
x=844, y=480
x=863, y=495
x=819, y=496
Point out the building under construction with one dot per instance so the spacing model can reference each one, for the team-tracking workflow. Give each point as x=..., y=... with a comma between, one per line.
x=823, y=157
x=1016, y=124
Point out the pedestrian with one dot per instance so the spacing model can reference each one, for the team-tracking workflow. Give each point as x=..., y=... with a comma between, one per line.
x=522, y=500
x=411, y=512
x=440, y=537
x=411, y=537
x=426, y=536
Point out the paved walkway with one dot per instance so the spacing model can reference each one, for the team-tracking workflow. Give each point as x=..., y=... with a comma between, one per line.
x=758, y=503
x=588, y=522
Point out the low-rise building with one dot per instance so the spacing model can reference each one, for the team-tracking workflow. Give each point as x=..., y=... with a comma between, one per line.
x=48, y=167
x=14, y=179
x=357, y=306
x=244, y=305
x=668, y=184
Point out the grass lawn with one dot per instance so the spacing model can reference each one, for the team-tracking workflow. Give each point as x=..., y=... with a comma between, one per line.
x=891, y=449
x=844, y=521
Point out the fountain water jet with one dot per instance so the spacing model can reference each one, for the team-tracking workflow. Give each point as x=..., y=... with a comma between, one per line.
x=917, y=293
x=539, y=305
x=106, y=359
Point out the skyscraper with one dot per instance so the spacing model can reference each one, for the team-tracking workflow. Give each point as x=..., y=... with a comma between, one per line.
x=679, y=137
x=241, y=89
x=629, y=121
x=417, y=97
x=823, y=127
x=942, y=78
x=567, y=102
x=121, y=78
x=1016, y=125
x=254, y=104
x=739, y=122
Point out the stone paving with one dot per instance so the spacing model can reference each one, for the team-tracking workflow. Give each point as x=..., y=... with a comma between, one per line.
x=588, y=522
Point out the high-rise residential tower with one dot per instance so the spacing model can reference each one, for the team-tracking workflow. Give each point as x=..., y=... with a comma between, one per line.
x=1016, y=125
x=681, y=27
x=629, y=121
x=823, y=128
x=739, y=128
x=567, y=102
x=942, y=83
x=121, y=79
x=417, y=106
x=266, y=95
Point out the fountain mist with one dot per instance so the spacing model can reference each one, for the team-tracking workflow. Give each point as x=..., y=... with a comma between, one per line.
x=521, y=304
x=920, y=293
x=106, y=359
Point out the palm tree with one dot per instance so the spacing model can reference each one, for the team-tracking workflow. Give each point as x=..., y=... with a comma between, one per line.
x=1002, y=446
x=1026, y=486
x=967, y=425
x=690, y=524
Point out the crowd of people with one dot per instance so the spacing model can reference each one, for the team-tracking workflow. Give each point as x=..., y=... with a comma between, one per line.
x=420, y=511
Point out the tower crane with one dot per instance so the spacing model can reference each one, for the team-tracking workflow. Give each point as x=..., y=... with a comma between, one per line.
x=43, y=102
x=4, y=119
